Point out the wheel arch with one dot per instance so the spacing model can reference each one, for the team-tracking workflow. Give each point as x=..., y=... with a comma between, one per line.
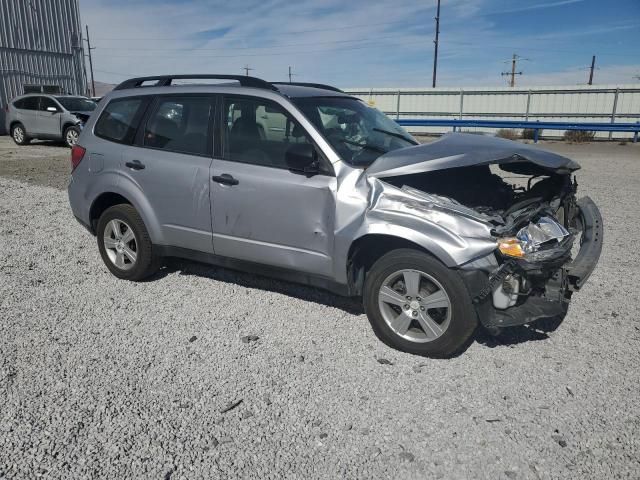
x=67, y=125
x=101, y=203
x=364, y=251
x=14, y=123
x=131, y=194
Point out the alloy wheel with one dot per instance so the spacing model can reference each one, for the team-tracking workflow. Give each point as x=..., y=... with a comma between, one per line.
x=72, y=137
x=120, y=244
x=414, y=305
x=18, y=134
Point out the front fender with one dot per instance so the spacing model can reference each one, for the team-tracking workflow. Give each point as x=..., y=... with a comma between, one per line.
x=455, y=238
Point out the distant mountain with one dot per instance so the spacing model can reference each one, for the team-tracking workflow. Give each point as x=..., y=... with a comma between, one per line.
x=102, y=88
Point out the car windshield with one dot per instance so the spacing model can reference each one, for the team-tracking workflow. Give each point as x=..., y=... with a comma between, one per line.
x=77, y=104
x=358, y=132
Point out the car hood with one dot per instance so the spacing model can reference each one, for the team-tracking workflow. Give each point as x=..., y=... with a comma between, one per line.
x=82, y=115
x=455, y=150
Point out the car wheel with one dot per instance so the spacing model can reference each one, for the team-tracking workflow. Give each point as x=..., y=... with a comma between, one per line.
x=124, y=243
x=19, y=134
x=71, y=135
x=418, y=305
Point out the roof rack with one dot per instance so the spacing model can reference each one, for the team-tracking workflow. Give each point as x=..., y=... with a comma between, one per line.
x=314, y=85
x=165, y=80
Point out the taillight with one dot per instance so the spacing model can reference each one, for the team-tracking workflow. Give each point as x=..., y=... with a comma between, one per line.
x=77, y=154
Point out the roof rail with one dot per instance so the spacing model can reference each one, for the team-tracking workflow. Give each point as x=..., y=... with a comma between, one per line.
x=165, y=80
x=314, y=85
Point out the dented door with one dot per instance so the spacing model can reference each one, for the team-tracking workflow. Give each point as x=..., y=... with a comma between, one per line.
x=273, y=216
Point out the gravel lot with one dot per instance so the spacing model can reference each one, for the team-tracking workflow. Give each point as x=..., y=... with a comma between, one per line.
x=101, y=378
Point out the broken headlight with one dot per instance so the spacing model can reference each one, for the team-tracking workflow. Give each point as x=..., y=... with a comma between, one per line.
x=538, y=236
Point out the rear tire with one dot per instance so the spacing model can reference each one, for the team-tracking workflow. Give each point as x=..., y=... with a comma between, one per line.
x=70, y=136
x=418, y=305
x=124, y=244
x=19, y=134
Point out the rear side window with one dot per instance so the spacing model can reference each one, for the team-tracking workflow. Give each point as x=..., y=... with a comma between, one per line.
x=118, y=121
x=28, y=103
x=180, y=124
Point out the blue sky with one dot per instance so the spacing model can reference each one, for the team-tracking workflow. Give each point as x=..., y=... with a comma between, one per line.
x=368, y=43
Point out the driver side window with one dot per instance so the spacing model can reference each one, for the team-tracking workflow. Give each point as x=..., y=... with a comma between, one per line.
x=259, y=132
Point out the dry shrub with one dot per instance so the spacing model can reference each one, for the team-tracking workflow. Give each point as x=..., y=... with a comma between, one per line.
x=530, y=133
x=507, y=133
x=579, y=136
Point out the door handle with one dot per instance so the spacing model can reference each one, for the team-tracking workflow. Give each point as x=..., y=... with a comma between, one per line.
x=225, y=179
x=136, y=165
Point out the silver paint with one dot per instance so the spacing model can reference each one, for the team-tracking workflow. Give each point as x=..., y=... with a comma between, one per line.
x=280, y=218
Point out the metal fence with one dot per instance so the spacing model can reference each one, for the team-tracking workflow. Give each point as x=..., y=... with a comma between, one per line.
x=40, y=44
x=577, y=104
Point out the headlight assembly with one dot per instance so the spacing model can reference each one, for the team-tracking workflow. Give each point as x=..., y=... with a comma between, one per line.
x=538, y=236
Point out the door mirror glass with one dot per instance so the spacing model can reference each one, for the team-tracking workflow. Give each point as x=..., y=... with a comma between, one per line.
x=52, y=109
x=301, y=157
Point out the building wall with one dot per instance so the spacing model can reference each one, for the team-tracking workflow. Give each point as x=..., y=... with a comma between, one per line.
x=557, y=104
x=41, y=44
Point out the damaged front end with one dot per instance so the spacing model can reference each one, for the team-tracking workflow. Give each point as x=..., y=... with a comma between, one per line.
x=547, y=243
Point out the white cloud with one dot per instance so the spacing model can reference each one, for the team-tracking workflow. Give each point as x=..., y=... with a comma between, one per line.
x=376, y=43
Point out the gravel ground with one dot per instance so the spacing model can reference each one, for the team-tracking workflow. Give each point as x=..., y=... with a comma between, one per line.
x=40, y=163
x=206, y=373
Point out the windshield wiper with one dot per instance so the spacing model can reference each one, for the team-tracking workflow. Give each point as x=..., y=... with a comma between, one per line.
x=397, y=135
x=364, y=145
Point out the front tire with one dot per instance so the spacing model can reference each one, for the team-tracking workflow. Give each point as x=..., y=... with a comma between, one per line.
x=71, y=135
x=19, y=134
x=124, y=243
x=418, y=305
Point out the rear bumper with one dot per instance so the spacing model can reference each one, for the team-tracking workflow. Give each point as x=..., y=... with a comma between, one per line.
x=550, y=298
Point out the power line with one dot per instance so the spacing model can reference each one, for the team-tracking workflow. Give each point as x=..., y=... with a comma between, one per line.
x=292, y=32
x=263, y=54
x=187, y=49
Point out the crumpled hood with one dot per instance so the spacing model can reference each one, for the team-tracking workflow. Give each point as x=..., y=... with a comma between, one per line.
x=463, y=150
x=82, y=115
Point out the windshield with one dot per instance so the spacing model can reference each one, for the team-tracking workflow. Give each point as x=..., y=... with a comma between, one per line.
x=358, y=132
x=77, y=104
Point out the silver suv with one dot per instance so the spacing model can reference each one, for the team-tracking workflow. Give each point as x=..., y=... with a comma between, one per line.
x=306, y=183
x=47, y=117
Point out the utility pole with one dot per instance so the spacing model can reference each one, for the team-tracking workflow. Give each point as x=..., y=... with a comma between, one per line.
x=512, y=73
x=93, y=83
x=593, y=64
x=246, y=69
x=435, y=53
x=290, y=74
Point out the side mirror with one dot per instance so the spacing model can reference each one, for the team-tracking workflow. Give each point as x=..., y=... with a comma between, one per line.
x=302, y=157
x=52, y=109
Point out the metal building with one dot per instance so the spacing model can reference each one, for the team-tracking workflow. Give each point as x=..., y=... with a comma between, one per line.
x=40, y=48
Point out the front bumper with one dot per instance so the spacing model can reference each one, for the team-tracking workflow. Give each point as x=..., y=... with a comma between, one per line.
x=550, y=300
